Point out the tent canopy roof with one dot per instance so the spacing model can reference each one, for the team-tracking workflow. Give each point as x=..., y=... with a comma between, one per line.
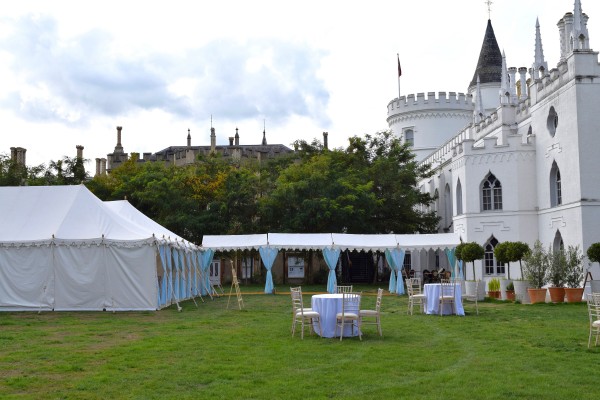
x=342, y=241
x=41, y=213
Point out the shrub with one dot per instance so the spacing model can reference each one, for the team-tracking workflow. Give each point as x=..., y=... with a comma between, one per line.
x=574, y=266
x=494, y=285
x=593, y=252
x=536, y=266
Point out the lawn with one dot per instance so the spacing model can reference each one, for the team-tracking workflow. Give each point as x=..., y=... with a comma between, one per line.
x=211, y=352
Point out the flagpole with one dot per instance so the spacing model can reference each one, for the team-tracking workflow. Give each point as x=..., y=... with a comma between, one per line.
x=399, y=75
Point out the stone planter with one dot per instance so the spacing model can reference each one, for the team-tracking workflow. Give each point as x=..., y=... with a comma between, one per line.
x=574, y=295
x=557, y=294
x=537, y=295
x=521, y=291
x=471, y=287
x=595, y=286
x=503, y=284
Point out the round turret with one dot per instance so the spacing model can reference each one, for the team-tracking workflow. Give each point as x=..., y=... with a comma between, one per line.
x=428, y=122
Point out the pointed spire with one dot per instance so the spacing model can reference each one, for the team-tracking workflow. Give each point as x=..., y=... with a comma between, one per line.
x=478, y=113
x=264, y=140
x=489, y=65
x=539, y=64
x=504, y=82
x=577, y=17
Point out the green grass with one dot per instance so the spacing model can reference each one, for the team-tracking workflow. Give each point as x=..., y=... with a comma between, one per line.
x=210, y=352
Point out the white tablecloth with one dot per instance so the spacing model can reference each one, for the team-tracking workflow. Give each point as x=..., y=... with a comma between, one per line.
x=432, y=291
x=328, y=305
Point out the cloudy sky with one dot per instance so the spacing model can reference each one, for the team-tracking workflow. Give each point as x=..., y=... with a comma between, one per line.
x=71, y=71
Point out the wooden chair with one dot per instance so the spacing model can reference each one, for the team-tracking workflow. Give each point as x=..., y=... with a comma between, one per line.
x=373, y=317
x=447, y=293
x=350, y=314
x=593, y=303
x=415, y=294
x=472, y=297
x=343, y=289
x=301, y=315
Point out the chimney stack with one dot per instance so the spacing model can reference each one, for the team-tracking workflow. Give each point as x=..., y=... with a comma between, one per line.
x=79, y=151
x=237, y=137
x=17, y=155
x=119, y=147
x=213, y=140
x=325, y=144
x=230, y=140
x=103, y=166
x=189, y=139
x=97, y=166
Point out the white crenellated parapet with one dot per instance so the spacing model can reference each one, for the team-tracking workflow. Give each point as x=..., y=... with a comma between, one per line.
x=441, y=101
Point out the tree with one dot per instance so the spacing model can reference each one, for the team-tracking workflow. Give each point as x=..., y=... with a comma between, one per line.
x=593, y=252
x=470, y=252
x=501, y=252
x=516, y=252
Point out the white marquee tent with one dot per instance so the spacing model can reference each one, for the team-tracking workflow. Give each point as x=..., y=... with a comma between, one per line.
x=61, y=248
x=331, y=244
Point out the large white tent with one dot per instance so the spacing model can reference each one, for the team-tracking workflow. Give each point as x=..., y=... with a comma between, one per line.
x=331, y=244
x=61, y=248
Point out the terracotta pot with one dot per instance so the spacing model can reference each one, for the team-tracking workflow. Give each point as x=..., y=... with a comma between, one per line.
x=574, y=295
x=537, y=295
x=494, y=294
x=557, y=294
x=510, y=295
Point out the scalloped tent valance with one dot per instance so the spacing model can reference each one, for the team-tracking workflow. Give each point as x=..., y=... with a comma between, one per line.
x=342, y=241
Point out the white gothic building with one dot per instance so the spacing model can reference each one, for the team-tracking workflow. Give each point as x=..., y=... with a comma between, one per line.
x=516, y=157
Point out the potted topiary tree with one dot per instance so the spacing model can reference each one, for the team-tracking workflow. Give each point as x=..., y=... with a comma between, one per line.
x=593, y=253
x=557, y=272
x=574, y=274
x=469, y=253
x=536, y=272
x=516, y=252
x=501, y=252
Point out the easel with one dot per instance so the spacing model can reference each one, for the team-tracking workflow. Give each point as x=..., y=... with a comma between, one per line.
x=586, y=279
x=234, y=282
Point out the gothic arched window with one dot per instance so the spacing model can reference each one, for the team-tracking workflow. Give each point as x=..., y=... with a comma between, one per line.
x=447, y=206
x=555, y=186
x=491, y=194
x=459, y=205
x=489, y=261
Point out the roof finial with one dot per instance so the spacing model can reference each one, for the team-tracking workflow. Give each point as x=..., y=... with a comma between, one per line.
x=489, y=6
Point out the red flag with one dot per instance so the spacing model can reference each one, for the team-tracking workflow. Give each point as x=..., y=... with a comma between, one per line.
x=399, y=69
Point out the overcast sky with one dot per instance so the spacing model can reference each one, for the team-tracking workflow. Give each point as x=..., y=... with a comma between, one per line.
x=71, y=71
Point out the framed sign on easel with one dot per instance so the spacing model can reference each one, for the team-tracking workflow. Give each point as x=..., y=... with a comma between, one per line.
x=235, y=283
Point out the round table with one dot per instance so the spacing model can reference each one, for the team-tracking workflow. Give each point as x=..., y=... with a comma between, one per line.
x=328, y=306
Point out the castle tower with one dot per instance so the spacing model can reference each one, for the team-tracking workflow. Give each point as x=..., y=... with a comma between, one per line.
x=489, y=70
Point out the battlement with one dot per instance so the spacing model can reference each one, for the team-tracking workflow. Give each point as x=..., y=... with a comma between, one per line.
x=441, y=101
